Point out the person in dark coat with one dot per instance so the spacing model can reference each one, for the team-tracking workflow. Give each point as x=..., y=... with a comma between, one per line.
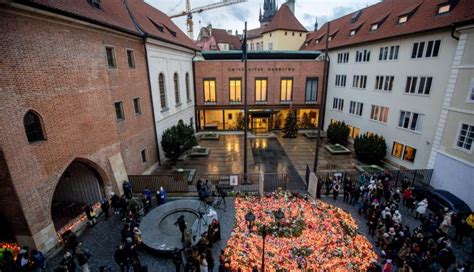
x=114, y=202
x=182, y=226
x=347, y=189
x=104, y=205
x=127, y=189
x=446, y=258
x=210, y=260
x=335, y=190
x=121, y=258
x=319, y=187
x=177, y=259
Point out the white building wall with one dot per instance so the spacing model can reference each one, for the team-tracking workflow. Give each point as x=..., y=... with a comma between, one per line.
x=169, y=59
x=397, y=99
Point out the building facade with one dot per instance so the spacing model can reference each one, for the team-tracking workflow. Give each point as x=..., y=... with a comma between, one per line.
x=452, y=151
x=277, y=83
x=76, y=107
x=390, y=67
x=216, y=39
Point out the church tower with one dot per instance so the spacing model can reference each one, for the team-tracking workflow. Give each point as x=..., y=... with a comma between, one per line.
x=269, y=9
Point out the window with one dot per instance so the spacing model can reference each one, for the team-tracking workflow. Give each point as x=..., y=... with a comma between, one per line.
x=270, y=46
x=110, y=51
x=432, y=49
x=419, y=86
x=374, y=27
x=343, y=57
x=161, y=84
x=311, y=90
x=286, y=33
x=95, y=3
x=397, y=150
x=444, y=8
x=235, y=88
x=363, y=56
x=341, y=80
x=188, y=93
x=143, y=154
x=384, y=83
x=317, y=41
x=353, y=131
x=402, y=19
x=210, y=91
x=465, y=137
x=261, y=90
x=353, y=32
x=470, y=92
x=130, y=58
x=409, y=153
x=359, y=82
x=379, y=113
x=33, y=127
x=389, y=53
x=331, y=37
x=119, y=111
x=356, y=108
x=137, y=107
x=338, y=104
x=176, y=88
x=286, y=86
x=410, y=120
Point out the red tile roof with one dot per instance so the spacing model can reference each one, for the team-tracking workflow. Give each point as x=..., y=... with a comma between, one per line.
x=222, y=36
x=254, y=33
x=284, y=19
x=114, y=14
x=423, y=19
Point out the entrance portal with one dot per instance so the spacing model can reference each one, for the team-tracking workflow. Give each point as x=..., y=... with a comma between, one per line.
x=260, y=125
x=79, y=186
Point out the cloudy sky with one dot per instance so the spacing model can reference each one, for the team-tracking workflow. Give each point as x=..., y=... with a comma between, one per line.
x=234, y=16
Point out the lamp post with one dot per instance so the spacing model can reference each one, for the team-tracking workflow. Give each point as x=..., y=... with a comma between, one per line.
x=264, y=229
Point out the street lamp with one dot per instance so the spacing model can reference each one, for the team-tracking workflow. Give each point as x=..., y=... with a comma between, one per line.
x=250, y=219
x=264, y=229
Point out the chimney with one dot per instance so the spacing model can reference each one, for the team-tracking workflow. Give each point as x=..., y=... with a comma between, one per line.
x=236, y=32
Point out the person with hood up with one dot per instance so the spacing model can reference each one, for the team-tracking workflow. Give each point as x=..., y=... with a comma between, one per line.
x=397, y=217
x=421, y=208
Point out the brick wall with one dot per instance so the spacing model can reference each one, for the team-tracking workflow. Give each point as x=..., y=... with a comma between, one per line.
x=59, y=70
x=273, y=70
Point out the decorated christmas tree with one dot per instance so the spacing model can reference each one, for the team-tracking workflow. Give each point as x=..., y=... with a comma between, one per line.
x=290, y=129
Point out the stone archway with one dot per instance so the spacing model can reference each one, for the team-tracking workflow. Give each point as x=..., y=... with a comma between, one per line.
x=80, y=185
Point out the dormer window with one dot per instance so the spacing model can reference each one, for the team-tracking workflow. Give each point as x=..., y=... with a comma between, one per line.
x=374, y=27
x=95, y=3
x=331, y=37
x=317, y=41
x=444, y=8
x=402, y=19
x=353, y=32
x=159, y=27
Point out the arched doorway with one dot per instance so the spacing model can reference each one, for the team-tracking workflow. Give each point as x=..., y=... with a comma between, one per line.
x=80, y=185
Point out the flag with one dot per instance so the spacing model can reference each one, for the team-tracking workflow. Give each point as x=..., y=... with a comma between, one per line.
x=244, y=44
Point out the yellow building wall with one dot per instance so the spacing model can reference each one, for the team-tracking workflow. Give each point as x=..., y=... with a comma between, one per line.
x=280, y=40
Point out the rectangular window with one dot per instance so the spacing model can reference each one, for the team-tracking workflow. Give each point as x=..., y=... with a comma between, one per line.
x=261, y=90
x=444, y=8
x=210, y=90
x=397, y=150
x=410, y=120
x=343, y=57
x=130, y=58
x=470, y=92
x=389, y=53
x=403, y=19
x=359, y=81
x=432, y=49
x=341, y=80
x=311, y=90
x=353, y=131
x=338, y=104
x=136, y=106
x=409, y=154
x=143, y=154
x=384, y=83
x=270, y=46
x=119, y=111
x=379, y=113
x=110, y=51
x=363, y=56
x=235, y=89
x=465, y=137
x=286, y=86
x=356, y=108
x=419, y=86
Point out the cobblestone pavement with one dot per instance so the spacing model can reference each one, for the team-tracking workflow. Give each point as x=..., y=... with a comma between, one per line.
x=102, y=240
x=461, y=250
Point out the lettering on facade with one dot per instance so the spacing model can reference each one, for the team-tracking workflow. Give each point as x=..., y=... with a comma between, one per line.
x=260, y=69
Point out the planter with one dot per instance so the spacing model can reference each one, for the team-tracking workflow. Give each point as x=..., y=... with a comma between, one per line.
x=198, y=151
x=210, y=136
x=370, y=169
x=337, y=149
x=314, y=135
x=189, y=173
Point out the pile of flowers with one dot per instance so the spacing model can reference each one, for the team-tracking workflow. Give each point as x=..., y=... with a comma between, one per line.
x=312, y=235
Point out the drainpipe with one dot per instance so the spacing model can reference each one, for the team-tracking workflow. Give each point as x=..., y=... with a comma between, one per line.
x=453, y=29
x=196, y=111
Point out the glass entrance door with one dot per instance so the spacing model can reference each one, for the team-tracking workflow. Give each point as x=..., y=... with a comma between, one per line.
x=260, y=125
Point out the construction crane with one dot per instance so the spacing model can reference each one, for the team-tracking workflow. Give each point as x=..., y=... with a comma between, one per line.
x=189, y=12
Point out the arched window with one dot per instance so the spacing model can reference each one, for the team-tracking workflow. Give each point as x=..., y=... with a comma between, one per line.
x=176, y=88
x=33, y=127
x=188, y=94
x=161, y=83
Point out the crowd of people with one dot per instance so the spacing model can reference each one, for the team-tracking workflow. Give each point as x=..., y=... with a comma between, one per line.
x=24, y=260
x=427, y=247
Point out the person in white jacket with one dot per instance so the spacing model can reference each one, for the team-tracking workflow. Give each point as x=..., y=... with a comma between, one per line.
x=397, y=217
x=421, y=208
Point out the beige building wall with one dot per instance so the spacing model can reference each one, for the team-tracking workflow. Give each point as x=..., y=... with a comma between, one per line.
x=279, y=40
x=454, y=166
